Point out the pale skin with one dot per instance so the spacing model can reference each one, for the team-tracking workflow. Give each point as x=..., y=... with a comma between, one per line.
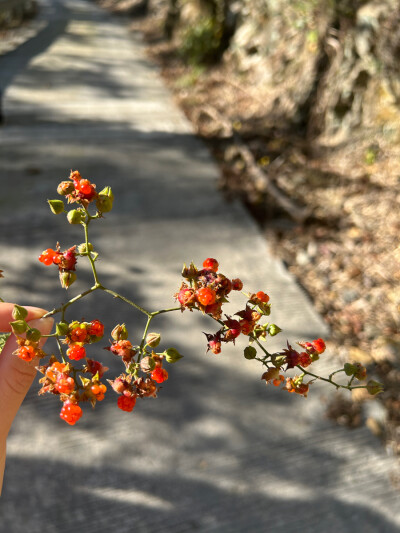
x=16, y=376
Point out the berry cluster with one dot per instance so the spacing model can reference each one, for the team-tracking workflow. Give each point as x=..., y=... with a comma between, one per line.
x=75, y=378
x=207, y=290
x=143, y=367
x=61, y=378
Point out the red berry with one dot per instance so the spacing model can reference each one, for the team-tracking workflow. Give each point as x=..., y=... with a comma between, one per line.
x=206, y=296
x=215, y=310
x=70, y=412
x=49, y=257
x=84, y=188
x=123, y=349
x=234, y=329
x=126, y=403
x=68, y=259
x=319, y=346
x=237, y=284
x=64, y=384
x=96, y=328
x=246, y=326
x=95, y=367
x=186, y=297
x=215, y=346
x=159, y=375
x=54, y=370
x=211, y=264
x=262, y=297
x=76, y=352
x=305, y=359
x=78, y=334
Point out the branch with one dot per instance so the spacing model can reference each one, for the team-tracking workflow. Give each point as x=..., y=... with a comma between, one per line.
x=261, y=181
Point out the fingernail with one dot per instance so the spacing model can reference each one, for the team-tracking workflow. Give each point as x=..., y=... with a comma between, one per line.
x=35, y=312
x=44, y=325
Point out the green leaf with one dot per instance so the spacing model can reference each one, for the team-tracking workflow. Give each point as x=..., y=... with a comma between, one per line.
x=3, y=339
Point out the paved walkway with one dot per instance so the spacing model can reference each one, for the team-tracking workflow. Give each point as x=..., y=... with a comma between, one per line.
x=217, y=451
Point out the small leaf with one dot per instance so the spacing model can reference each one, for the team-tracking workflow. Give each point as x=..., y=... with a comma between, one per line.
x=3, y=339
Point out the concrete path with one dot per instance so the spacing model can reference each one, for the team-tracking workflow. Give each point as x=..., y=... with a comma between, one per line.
x=217, y=451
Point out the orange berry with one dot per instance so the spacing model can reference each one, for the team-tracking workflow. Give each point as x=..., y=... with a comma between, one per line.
x=26, y=353
x=47, y=257
x=159, y=375
x=76, y=352
x=319, y=346
x=64, y=384
x=96, y=328
x=246, y=326
x=206, y=296
x=78, y=334
x=70, y=412
x=264, y=298
x=278, y=381
x=211, y=264
x=126, y=403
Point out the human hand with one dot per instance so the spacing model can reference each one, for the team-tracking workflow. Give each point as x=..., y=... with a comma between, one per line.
x=16, y=376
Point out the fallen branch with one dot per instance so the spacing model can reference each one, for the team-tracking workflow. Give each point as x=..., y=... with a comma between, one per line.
x=261, y=181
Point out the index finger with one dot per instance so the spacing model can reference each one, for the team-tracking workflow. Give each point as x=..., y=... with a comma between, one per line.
x=6, y=314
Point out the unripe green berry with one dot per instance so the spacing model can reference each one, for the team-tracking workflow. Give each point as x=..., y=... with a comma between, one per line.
x=75, y=216
x=349, y=369
x=62, y=328
x=119, y=333
x=172, y=355
x=374, y=387
x=65, y=187
x=147, y=364
x=19, y=312
x=273, y=330
x=83, y=249
x=56, y=206
x=67, y=278
x=250, y=352
x=105, y=199
x=33, y=334
x=153, y=340
x=19, y=326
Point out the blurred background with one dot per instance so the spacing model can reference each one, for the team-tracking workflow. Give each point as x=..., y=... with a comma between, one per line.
x=299, y=104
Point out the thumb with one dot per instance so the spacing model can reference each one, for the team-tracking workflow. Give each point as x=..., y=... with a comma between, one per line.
x=16, y=376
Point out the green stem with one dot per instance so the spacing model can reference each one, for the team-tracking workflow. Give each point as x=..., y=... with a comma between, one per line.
x=155, y=313
x=89, y=253
x=63, y=308
x=146, y=329
x=267, y=354
x=60, y=348
x=116, y=295
x=336, y=372
x=328, y=380
x=351, y=380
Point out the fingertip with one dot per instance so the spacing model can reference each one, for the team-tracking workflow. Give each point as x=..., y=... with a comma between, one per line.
x=44, y=325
